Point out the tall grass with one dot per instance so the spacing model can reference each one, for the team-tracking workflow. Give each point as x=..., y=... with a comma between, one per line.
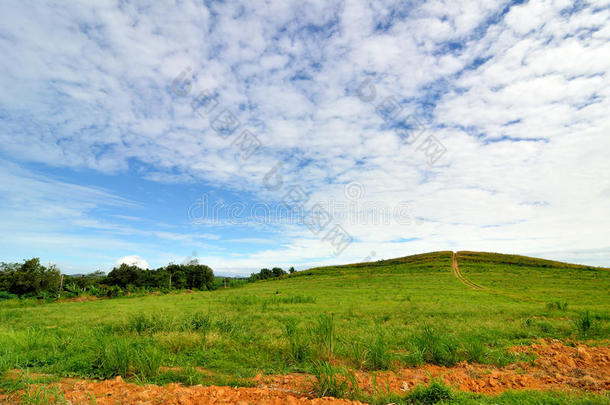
x=333, y=382
x=298, y=343
x=323, y=331
x=586, y=324
x=377, y=355
x=146, y=362
x=433, y=346
x=112, y=358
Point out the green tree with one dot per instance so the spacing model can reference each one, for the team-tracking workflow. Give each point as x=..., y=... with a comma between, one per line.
x=30, y=278
x=278, y=272
x=265, y=274
x=125, y=275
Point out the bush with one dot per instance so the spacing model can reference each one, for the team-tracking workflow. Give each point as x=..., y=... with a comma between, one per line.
x=6, y=296
x=114, y=291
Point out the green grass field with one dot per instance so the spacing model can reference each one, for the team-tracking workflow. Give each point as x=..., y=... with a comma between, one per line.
x=371, y=316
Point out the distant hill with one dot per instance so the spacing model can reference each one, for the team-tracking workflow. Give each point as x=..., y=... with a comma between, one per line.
x=433, y=258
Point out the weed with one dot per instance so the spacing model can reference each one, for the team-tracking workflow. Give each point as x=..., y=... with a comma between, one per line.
x=298, y=344
x=187, y=375
x=42, y=395
x=226, y=325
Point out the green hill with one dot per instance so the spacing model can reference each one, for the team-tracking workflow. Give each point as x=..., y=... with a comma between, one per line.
x=402, y=312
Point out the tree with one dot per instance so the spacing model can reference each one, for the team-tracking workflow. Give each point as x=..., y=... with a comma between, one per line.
x=265, y=274
x=30, y=278
x=198, y=276
x=278, y=272
x=125, y=275
x=291, y=270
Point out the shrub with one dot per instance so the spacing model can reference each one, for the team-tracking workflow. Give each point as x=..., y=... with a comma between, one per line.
x=6, y=296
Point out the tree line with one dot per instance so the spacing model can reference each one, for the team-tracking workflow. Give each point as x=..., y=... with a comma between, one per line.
x=266, y=274
x=32, y=279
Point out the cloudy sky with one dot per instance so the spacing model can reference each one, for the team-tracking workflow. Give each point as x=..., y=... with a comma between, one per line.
x=278, y=133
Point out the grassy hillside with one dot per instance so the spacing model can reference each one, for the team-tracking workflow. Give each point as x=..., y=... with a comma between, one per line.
x=538, y=280
x=370, y=316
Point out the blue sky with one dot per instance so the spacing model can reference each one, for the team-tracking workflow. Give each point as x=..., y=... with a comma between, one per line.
x=324, y=132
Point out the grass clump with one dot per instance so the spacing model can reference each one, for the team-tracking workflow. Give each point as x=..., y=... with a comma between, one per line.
x=112, y=358
x=433, y=346
x=558, y=305
x=298, y=344
x=587, y=324
x=323, y=331
x=147, y=361
x=143, y=323
x=333, y=382
x=434, y=393
x=377, y=354
x=120, y=357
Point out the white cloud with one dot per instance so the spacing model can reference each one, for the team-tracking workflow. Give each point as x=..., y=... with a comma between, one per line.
x=519, y=96
x=133, y=261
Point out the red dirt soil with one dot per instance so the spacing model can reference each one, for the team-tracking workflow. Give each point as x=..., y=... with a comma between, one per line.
x=557, y=367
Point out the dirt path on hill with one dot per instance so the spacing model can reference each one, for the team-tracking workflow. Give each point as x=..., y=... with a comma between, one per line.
x=557, y=366
x=464, y=280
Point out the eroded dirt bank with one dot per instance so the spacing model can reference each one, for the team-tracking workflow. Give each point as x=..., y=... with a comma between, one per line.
x=557, y=366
